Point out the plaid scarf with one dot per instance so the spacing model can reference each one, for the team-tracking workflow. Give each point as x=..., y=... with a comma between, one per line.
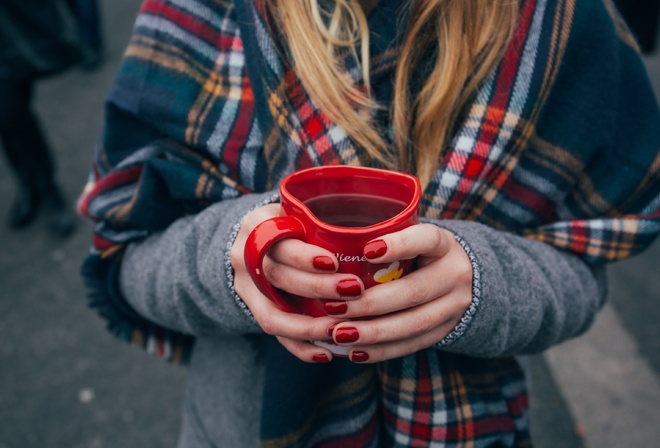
x=206, y=108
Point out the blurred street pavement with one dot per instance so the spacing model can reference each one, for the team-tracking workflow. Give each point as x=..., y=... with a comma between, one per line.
x=65, y=382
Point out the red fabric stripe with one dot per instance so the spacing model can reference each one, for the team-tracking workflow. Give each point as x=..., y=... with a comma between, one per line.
x=112, y=180
x=579, y=236
x=495, y=112
x=421, y=424
x=190, y=23
x=101, y=243
x=523, y=195
x=240, y=130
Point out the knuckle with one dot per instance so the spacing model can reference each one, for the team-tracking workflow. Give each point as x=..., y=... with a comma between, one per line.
x=266, y=325
x=240, y=288
x=423, y=324
x=464, y=271
x=235, y=256
x=415, y=293
x=374, y=335
x=274, y=274
x=364, y=306
x=317, y=288
x=437, y=237
x=308, y=333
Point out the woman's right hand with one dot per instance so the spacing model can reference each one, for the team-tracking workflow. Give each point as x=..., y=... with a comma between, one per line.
x=299, y=268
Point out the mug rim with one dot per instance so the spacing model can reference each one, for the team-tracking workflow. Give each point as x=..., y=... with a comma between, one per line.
x=309, y=173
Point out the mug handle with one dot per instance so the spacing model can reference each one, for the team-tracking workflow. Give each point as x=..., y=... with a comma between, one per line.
x=262, y=237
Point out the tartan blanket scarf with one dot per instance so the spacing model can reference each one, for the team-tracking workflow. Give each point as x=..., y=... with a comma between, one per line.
x=205, y=108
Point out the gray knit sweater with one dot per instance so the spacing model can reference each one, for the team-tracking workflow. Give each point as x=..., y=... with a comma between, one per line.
x=529, y=296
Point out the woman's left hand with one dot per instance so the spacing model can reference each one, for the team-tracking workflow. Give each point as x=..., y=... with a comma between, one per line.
x=415, y=311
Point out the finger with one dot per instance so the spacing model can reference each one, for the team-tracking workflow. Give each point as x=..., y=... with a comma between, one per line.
x=306, y=351
x=438, y=317
x=303, y=256
x=276, y=322
x=442, y=277
x=313, y=285
x=367, y=354
x=421, y=239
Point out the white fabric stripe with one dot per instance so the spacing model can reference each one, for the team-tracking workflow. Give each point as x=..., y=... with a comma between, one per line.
x=523, y=81
x=267, y=46
x=118, y=236
x=224, y=127
x=548, y=189
x=466, y=141
x=343, y=427
x=164, y=26
x=207, y=15
x=140, y=155
x=249, y=157
x=111, y=198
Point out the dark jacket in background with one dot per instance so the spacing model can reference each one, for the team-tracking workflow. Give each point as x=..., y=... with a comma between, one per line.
x=37, y=38
x=643, y=17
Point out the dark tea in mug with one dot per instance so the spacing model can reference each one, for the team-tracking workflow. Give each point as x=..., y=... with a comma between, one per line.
x=354, y=210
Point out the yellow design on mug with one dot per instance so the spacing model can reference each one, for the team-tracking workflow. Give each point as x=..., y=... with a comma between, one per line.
x=392, y=272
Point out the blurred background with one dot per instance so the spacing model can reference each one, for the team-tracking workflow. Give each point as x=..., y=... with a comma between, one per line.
x=65, y=382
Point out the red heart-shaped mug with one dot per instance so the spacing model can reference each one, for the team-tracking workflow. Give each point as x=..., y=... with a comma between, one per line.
x=339, y=208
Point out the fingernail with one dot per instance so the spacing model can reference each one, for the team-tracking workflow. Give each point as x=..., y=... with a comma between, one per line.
x=324, y=263
x=346, y=335
x=321, y=357
x=335, y=307
x=359, y=356
x=375, y=249
x=348, y=287
x=332, y=328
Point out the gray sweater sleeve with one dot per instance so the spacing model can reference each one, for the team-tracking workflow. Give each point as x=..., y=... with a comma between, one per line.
x=527, y=295
x=181, y=278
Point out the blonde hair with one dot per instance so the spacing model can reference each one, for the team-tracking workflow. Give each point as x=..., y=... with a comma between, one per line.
x=467, y=38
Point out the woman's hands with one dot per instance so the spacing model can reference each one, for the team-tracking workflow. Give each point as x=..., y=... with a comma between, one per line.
x=298, y=268
x=415, y=311
x=386, y=321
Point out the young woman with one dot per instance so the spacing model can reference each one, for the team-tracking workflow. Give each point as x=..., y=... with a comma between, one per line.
x=531, y=125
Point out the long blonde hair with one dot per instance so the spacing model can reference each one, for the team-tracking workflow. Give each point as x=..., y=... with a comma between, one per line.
x=467, y=37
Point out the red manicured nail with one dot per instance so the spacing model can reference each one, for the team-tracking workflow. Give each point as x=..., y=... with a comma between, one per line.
x=324, y=263
x=359, y=357
x=321, y=357
x=375, y=249
x=335, y=307
x=349, y=287
x=332, y=328
x=346, y=335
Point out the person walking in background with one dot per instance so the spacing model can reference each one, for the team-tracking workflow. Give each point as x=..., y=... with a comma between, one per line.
x=88, y=18
x=531, y=125
x=36, y=41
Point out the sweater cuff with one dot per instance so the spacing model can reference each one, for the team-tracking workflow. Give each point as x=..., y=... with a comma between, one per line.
x=469, y=314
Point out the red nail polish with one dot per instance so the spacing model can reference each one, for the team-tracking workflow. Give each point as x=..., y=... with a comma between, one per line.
x=321, y=357
x=323, y=263
x=359, y=357
x=375, y=249
x=332, y=328
x=346, y=335
x=349, y=287
x=335, y=307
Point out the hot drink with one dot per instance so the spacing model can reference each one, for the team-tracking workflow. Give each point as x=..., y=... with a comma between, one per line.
x=354, y=210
